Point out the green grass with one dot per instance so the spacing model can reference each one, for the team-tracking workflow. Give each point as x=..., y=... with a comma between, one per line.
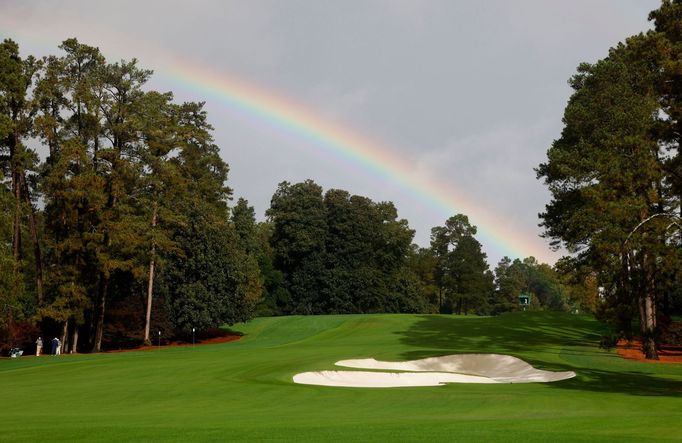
x=242, y=391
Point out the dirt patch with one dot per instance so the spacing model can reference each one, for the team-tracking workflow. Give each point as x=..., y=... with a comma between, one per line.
x=632, y=350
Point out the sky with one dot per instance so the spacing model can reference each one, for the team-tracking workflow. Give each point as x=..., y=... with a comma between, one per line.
x=441, y=107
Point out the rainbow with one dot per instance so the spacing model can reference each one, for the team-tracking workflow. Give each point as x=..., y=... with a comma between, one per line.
x=267, y=107
x=283, y=113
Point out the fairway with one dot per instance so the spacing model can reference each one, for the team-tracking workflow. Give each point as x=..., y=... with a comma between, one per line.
x=243, y=391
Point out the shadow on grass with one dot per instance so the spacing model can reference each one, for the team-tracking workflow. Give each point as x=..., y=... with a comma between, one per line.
x=510, y=333
x=229, y=331
x=630, y=382
x=521, y=333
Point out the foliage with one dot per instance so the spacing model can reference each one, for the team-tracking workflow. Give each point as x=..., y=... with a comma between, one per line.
x=127, y=178
x=340, y=253
x=208, y=286
x=421, y=264
x=17, y=162
x=614, y=174
x=465, y=283
x=299, y=221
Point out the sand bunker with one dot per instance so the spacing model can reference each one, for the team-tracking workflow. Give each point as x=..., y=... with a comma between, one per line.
x=501, y=368
x=360, y=379
x=434, y=371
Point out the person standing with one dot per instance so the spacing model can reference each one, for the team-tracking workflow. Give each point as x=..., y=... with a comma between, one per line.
x=39, y=346
x=59, y=346
x=54, y=345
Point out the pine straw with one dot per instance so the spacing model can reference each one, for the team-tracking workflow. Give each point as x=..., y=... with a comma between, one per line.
x=632, y=350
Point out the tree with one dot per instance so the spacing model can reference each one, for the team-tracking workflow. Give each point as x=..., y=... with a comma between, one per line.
x=545, y=285
x=471, y=282
x=608, y=176
x=125, y=171
x=275, y=295
x=352, y=281
x=666, y=44
x=299, y=221
x=462, y=273
x=244, y=220
x=209, y=284
x=338, y=253
x=509, y=284
x=667, y=36
x=208, y=279
x=542, y=282
x=9, y=279
x=166, y=182
x=73, y=191
x=17, y=110
x=581, y=283
x=122, y=112
x=366, y=256
x=422, y=263
x=73, y=195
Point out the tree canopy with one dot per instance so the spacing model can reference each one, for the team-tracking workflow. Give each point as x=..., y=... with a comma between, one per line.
x=339, y=253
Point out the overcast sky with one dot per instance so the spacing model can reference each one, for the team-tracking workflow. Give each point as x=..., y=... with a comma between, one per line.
x=470, y=92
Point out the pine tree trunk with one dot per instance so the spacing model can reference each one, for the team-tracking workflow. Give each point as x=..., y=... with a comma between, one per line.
x=65, y=335
x=91, y=329
x=16, y=190
x=34, y=238
x=74, y=340
x=16, y=228
x=99, y=328
x=10, y=325
x=150, y=285
x=649, y=328
x=642, y=315
x=648, y=314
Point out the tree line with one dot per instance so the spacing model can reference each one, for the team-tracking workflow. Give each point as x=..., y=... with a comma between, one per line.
x=131, y=183
x=116, y=224
x=615, y=175
x=336, y=253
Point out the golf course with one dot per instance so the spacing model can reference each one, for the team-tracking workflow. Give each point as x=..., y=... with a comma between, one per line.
x=243, y=390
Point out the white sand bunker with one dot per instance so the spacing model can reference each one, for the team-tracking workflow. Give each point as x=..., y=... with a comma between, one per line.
x=434, y=371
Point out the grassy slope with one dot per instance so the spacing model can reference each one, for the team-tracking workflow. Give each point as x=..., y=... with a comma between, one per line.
x=242, y=391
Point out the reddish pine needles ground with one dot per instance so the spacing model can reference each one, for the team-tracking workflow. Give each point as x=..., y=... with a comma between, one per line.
x=632, y=350
x=206, y=341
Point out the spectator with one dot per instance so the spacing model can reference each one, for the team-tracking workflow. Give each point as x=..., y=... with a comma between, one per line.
x=39, y=346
